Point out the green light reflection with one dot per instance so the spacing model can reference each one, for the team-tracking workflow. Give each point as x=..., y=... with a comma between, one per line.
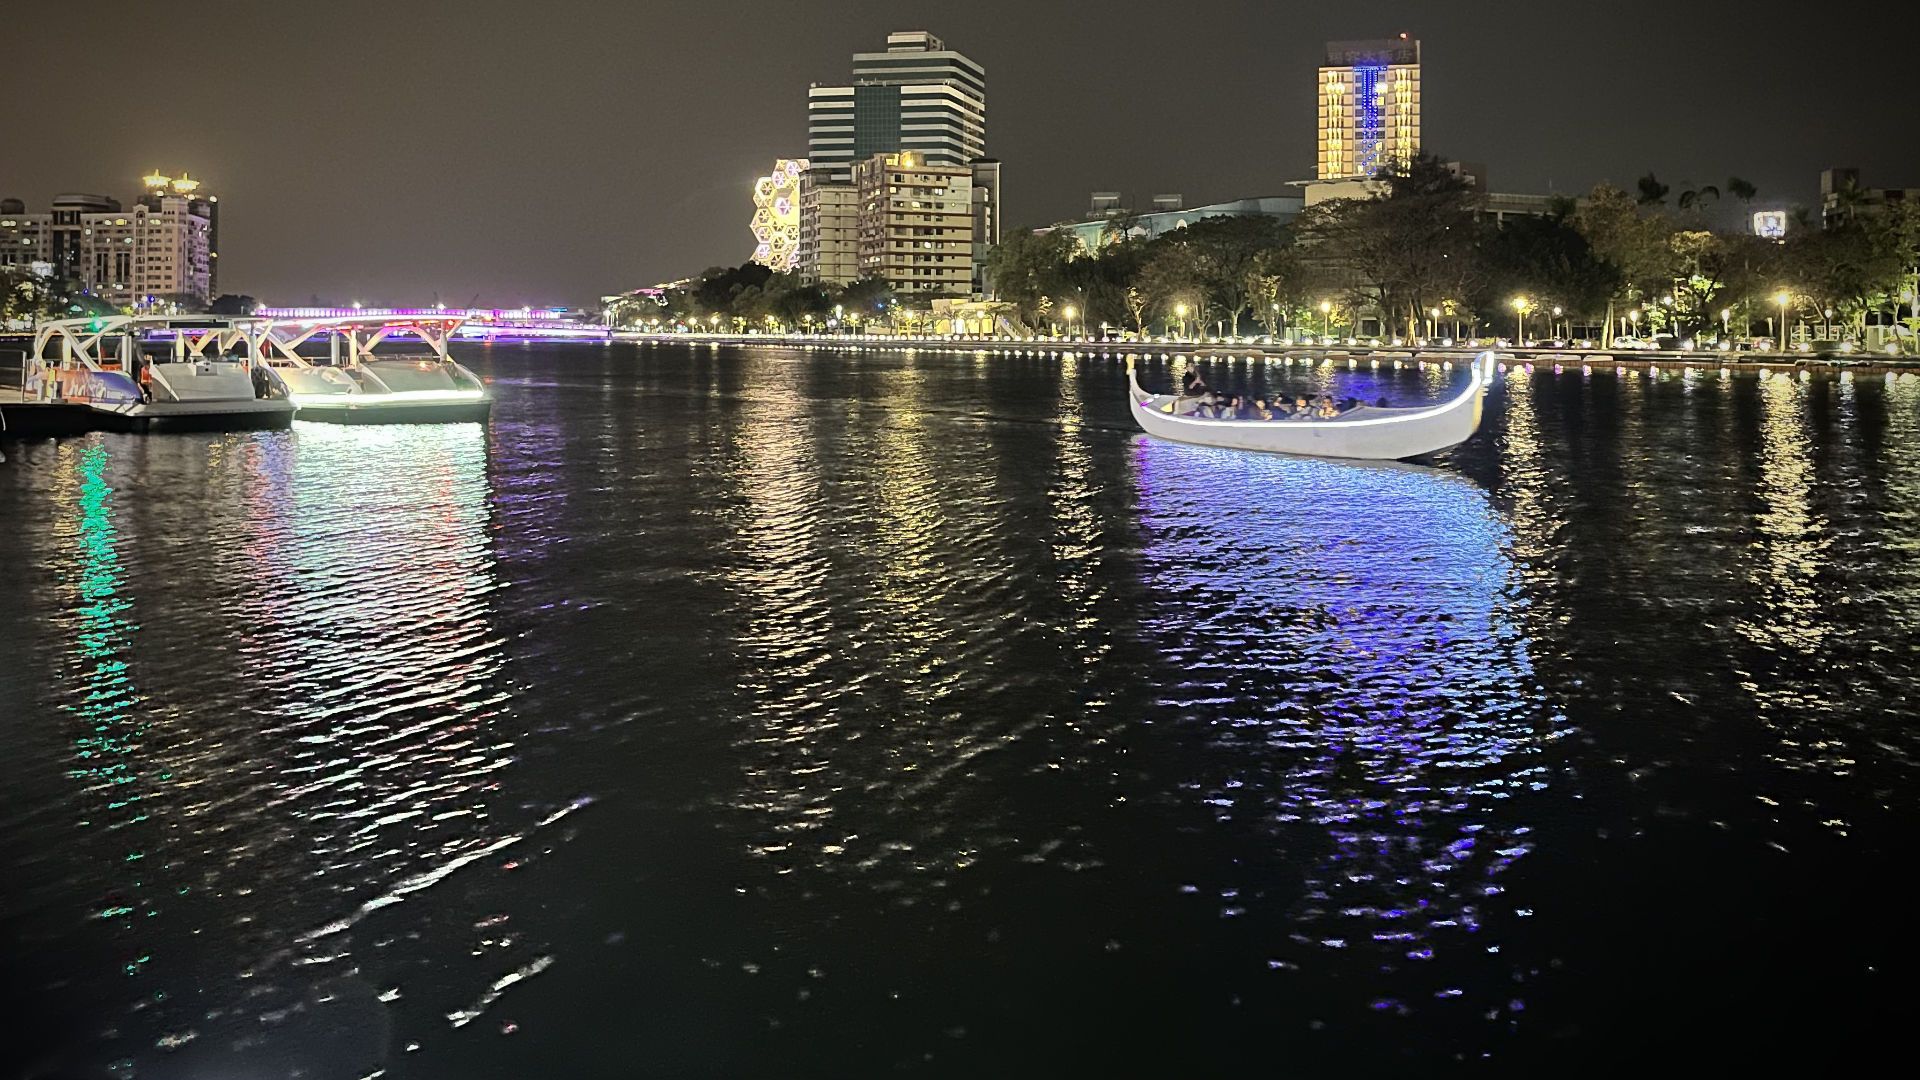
x=101, y=691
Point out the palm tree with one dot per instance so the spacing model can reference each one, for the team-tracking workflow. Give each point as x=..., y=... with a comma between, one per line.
x=1652, y=191
x=1741, y=189
x=1694, y=196
x=1848, y=198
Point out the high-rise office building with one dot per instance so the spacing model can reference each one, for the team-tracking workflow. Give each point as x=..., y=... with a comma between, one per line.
x=916, y=224
x=1369, y=107
x=916, y=96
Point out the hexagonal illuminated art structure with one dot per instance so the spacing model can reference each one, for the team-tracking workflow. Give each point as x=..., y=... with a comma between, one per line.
x=776, y=215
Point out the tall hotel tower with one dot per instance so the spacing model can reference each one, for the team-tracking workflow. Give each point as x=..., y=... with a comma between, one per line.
x=917, y=97
x=1369, y=107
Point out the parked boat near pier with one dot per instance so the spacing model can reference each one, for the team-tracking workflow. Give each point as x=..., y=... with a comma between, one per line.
x=355, y=384
x=155, y=373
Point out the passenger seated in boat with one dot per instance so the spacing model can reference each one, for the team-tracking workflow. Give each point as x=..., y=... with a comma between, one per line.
x=1194, y=386
x=1282, y=409
x=1246, y=409
x=1260, y=409
x=1325, y=409
x=1302, y=408
x=1349, y=404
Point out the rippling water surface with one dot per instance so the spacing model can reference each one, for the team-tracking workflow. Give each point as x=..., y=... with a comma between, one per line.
x=764, y=712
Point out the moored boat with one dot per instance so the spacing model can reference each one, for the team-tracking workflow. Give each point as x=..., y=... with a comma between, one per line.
x=356, y=384
x=154, y=373
x=1367, y=433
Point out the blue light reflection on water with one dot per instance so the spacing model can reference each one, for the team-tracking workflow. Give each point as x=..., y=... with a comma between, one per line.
x=1354, y=647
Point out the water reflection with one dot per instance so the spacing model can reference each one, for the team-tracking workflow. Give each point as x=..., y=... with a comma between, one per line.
x=324, y=744
x=372, y=613
x=783, y=640
x=1351, y=641
x=100, y=693
x=1793, y=540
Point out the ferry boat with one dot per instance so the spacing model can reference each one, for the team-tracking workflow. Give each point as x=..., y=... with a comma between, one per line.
x=355, y=384
x=1367, y=433
x=143, y=373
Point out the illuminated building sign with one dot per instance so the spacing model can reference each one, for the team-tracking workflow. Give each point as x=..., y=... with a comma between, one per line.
x=776, y=215
x=1771, y=224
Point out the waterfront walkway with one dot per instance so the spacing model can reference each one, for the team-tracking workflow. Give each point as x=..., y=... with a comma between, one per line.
x=1351, y=357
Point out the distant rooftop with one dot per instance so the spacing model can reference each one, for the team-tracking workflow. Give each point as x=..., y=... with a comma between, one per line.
x=914, y=41
x=1394, y=50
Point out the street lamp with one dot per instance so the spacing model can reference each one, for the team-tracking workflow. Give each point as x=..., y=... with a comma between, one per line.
x=1181, y=310
x=1783, y=298
x=1520, y=320
x=1069, y=314
x=1326, y=318
x=1557, y=312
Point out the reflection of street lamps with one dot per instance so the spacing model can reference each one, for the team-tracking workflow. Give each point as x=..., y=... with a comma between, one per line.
x=1520, y=320
x=1326, y=318
x=1783, y=298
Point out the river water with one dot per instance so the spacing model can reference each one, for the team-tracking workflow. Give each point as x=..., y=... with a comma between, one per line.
x=723, y=712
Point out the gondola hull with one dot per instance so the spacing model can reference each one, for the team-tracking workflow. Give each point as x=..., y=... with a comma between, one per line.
x=1367, y=433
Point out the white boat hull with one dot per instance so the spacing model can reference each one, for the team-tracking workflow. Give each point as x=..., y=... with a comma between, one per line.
x=390, y=409
x=1367, y=433
x=428, y=393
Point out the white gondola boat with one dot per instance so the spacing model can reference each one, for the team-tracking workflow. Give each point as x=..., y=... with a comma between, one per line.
x=1368, y=432
x=155, y=373
x=357, y=385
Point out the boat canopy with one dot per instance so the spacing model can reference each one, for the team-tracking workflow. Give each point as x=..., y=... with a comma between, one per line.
x=352, y=339
x=195, y=337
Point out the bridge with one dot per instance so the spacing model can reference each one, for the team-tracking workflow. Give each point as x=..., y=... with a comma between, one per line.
x=482, y=324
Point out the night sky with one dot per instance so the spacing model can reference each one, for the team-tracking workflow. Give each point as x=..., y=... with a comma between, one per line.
x=555, y=151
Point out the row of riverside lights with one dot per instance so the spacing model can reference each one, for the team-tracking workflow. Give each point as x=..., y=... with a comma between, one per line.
x=1520, y=304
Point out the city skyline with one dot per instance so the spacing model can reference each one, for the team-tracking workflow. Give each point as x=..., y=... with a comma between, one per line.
x=595, y=151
